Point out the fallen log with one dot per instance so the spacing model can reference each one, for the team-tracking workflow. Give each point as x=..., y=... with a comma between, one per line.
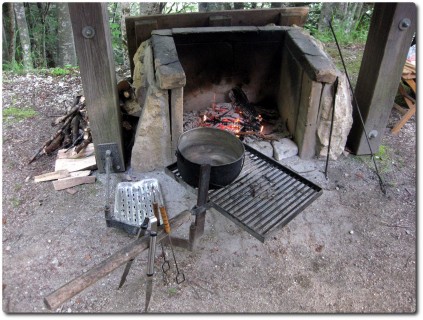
x=101, y=270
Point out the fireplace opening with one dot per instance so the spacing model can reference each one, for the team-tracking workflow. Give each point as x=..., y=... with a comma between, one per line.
x=271, y=86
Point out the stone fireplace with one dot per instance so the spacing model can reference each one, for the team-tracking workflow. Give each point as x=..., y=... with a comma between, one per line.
x=186, y=69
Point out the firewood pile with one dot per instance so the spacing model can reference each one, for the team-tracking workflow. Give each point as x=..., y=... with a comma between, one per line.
x=75, y=151
x=73, y=131
x=73, y=141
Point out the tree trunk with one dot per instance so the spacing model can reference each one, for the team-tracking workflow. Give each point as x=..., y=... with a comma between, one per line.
x=9, y=30
x=126, y=12
x=202, y=6
x=149, y=8
x=211, y=6
x=5, y=52
x=66, y=45
x=43, y=10
x=325, y=15
x=23, y=34
x=349, y=18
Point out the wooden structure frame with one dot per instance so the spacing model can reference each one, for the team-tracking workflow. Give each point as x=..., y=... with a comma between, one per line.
x=391, y=31
x=139, y=29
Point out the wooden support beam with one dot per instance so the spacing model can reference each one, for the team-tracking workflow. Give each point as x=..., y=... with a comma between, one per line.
x=95, y=56
x=391, y=31
x=102, y=269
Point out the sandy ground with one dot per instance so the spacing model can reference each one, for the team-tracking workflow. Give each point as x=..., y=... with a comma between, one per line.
x=353, y=250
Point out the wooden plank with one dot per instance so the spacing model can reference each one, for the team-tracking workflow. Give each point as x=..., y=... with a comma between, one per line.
x=380, y=72
x=176, y=117
x=87, y=279
x=97, y=69
x=311, y=58
x=202, y=19
x=70, y=182
x=400, y=109
x=404, y=119
x=169, y=72
x=305, y=131
x=73, y=165
x=289, y=90
x=220, y=20
x=60, y=174
x=412, y=84
x=83, y=173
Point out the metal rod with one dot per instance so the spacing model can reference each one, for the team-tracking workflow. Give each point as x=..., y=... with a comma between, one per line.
x=248, y=195
x=381, y=183
x=107, y=200
x=331, y=125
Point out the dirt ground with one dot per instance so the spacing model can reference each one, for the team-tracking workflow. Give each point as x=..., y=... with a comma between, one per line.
x=353, y=250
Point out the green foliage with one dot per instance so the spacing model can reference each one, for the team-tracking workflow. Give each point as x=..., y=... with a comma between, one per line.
x=14, y=67
x=382, y=153
x=42, y=24
x=61, y=71
x=117, y=44
x=172, y=291
x=180, y=7
x=345, y=34
x=15, y=202
x=14, y=114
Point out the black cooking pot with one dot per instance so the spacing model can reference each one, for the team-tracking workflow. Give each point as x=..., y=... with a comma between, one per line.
x=220, y=149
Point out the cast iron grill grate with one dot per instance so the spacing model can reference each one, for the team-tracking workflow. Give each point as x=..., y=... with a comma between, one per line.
x=265, y=196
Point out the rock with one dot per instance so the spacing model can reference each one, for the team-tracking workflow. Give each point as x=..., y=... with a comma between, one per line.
x=152, y=146
x=284, y=148
x=342, y=120
x=55, y=261
x=262, y=146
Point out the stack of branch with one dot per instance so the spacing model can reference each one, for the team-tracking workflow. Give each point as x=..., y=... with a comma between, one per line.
x=73, y=132
x=76, y=157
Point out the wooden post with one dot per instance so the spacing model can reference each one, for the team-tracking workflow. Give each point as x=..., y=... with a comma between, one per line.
x=95, y=57
x=391, y=31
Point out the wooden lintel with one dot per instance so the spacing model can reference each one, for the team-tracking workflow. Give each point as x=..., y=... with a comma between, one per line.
x=257, y=17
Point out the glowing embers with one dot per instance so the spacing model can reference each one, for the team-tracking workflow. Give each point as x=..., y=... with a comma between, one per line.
x=228, y=117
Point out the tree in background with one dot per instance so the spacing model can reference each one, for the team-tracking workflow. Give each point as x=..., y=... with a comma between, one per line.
x=45, y=26
x=347, y=15
x=9, y=35
x=149, y=8
x=65, y=43
x=23, y=35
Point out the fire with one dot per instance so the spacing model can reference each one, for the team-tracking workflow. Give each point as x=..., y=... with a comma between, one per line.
x=230, y=119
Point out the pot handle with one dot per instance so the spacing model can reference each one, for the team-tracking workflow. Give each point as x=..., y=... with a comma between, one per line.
x=179, y=156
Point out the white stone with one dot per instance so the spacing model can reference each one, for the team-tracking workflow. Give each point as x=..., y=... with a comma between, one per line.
x=284, y=148
x=152, y=146
x=263, y=147
x=342, y=121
